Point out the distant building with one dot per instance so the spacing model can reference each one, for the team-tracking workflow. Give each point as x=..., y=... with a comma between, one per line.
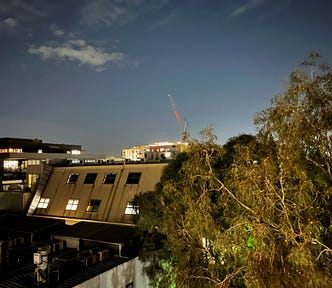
x=154, y=152
x=22, y=162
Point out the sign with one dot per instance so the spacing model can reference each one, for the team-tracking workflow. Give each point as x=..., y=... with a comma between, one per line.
x=11, y=150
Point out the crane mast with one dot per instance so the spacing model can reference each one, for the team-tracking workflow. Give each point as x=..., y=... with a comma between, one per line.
x=184, y=126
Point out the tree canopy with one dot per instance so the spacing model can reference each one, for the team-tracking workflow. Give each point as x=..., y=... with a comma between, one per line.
x=255, y=212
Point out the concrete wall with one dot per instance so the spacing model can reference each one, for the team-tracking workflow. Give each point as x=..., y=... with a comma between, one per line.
x=15, y=201
x=119, y=277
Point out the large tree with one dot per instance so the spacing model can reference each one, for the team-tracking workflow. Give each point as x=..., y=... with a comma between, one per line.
x=255, y=212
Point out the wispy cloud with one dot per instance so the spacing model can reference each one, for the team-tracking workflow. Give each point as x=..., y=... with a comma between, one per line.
x=162, y=22
x=112, y=12
x=78, y=51
x=23, y=9
x=105, y=12
x=248, y=5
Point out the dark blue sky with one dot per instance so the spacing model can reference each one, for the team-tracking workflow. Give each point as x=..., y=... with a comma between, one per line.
x=98, y=73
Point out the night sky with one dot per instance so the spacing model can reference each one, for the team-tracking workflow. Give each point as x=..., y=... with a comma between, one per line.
x=98, y=73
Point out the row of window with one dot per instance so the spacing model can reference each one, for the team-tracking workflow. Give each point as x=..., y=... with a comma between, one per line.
x=93, y=205
x=90, y=178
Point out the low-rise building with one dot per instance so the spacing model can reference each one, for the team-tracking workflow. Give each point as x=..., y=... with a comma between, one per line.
x=78, y=231
x=95, y=192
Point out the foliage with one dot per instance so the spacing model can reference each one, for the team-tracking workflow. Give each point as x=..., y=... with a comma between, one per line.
x=255, y=212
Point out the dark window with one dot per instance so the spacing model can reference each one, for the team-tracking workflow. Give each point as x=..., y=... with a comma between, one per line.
x=90, y=178
x=133, y=177
x=72, y=178
x=109, y=178
x=93, y=205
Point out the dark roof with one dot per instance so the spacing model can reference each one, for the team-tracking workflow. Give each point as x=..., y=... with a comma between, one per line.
x=100, y=232
x=24, y=276
x=33, y=145
x=71, y=271
x=21, y=224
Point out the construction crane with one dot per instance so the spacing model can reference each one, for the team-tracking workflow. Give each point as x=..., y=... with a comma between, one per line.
x=184, y=126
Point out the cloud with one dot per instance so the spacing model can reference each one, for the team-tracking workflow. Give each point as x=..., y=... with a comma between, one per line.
x=8, y=23
x=56, y=30
x=78, y=51
x=106, y=12
x=248, y=5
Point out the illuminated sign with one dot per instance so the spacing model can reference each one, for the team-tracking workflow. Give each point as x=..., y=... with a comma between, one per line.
x=11, y=150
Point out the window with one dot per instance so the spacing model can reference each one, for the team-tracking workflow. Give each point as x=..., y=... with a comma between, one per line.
x=33, y=162
x=109, y=178
x=131, y=209
x=93, y=205
x=133, y=177
x=90, y=178
x=72, y=204
x=43, y=203
x=10, y=164
x=72, y=179
x=32, y=180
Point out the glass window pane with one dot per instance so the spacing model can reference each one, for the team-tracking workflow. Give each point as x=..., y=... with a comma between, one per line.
x=43, y=203
x=133, y=178
x=93, y=205
x=131, y=209
x=73, y=177
x=90, y=178
x=109, y=178
x=72, y=204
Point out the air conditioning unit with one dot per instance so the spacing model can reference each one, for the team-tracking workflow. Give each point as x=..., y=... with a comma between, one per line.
x=58, y=246
x=18, y=241
x=103, y=255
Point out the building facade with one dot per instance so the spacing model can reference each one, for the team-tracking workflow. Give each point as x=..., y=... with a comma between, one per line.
x=96, y=192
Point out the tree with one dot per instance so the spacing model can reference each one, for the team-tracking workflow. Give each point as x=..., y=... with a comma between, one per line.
x=255, y=212
x=184, y=215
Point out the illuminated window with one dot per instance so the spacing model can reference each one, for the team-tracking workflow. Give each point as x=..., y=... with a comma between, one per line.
x=32, y=180
x=10, y=164
x=93, y=205
x=133, y=178
x=33, y=162
x=90, y=178
x=72, y=179
x=43, y=203
x=72, y=204
x=131, y=209
x=109, y=178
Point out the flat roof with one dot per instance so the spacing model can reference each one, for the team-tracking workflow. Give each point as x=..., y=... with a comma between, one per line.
x=17, y=223
x=100, y=232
